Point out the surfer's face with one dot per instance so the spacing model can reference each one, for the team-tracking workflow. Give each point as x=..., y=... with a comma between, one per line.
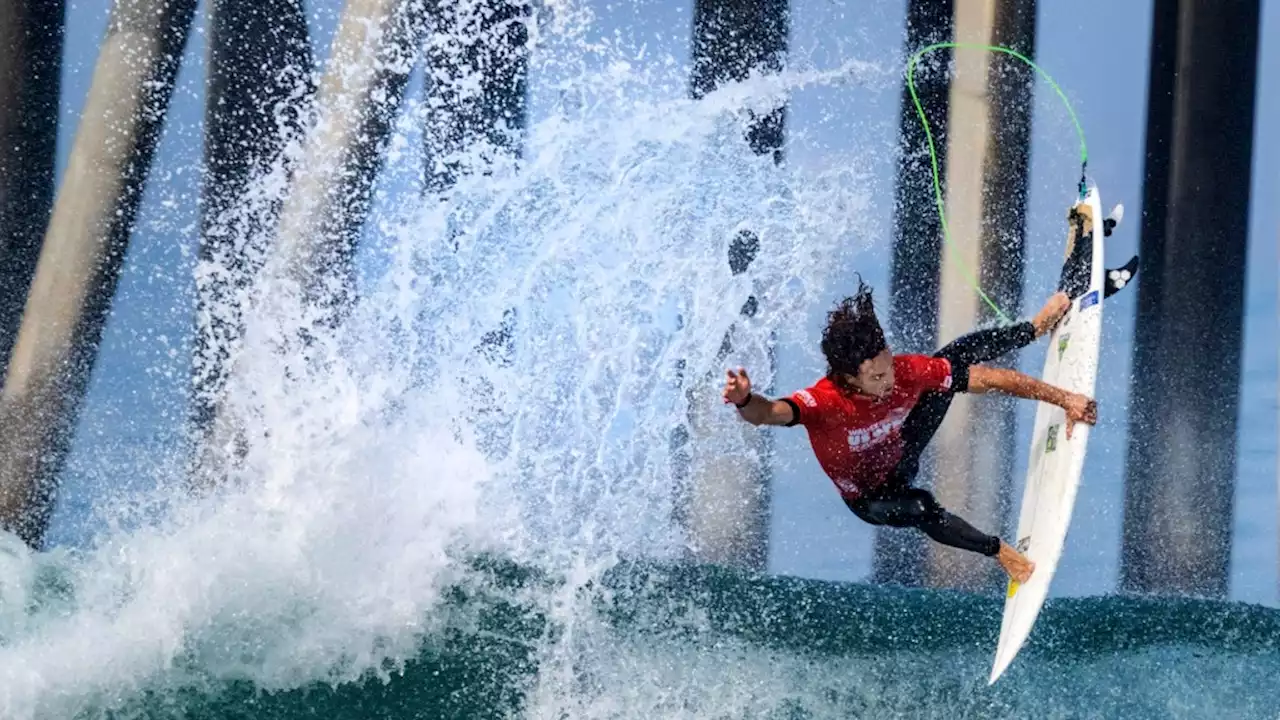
x=875, y=376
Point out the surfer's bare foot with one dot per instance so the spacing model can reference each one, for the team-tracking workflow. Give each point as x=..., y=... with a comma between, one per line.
x=1051, y=313
x=1014, y=563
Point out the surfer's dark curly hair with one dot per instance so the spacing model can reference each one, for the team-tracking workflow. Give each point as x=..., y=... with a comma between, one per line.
x=853, y=335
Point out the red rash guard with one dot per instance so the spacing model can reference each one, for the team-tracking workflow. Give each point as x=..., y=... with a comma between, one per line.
x=857, y=438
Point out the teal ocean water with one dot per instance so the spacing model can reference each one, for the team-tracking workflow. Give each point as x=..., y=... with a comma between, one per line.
x=656, y=640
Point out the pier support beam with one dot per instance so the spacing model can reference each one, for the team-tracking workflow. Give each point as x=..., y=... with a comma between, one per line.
x=259, y=88
x=917, y=245
x=1187, y=354
x=372, y=55
x=31, y=34
x=988, y=134
x=82, y=254
x=478, y=61
x=723, y=502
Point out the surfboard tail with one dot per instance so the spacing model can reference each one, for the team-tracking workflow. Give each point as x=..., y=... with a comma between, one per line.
x=1003, y=660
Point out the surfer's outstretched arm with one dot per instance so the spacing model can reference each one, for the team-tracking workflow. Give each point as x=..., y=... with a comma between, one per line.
x=1078, y=407
x=756, y=409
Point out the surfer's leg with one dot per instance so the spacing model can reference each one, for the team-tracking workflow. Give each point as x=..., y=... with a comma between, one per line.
x=978, y=346
x=975, y=347
x=985, y=345
x=918, y=429
x=917, y=508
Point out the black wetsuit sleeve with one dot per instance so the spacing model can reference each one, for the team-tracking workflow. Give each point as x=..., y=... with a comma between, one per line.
x=959, y=376
x=795, y=411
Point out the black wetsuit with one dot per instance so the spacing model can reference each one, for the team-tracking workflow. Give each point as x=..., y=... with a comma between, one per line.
x=896, y=503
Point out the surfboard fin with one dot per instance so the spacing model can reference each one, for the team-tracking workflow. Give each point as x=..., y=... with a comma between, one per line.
x=1112, y=220
x=1074, y=279
x=1119, y=277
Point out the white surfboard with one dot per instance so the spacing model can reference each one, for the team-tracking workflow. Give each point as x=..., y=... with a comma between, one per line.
x=1055, y=463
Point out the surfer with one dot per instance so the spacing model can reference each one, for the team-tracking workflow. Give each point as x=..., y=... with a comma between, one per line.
x=871, y=416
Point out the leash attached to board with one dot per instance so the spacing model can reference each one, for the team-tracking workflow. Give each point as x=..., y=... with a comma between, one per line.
x=933, y=155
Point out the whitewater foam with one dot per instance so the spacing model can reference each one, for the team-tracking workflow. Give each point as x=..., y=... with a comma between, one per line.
x=379, y=452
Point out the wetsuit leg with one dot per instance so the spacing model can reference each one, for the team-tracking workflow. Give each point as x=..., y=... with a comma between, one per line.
x=927, y=415
x=983, y=345
x=917, y=508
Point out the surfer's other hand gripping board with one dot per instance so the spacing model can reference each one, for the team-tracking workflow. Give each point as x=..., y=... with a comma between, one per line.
x=1055, y=462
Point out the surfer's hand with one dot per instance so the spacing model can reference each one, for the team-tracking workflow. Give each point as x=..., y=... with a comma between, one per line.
x=1080, y=409
x=737, y=386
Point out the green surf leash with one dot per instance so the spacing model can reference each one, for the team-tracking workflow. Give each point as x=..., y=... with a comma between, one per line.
x=933, y=155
